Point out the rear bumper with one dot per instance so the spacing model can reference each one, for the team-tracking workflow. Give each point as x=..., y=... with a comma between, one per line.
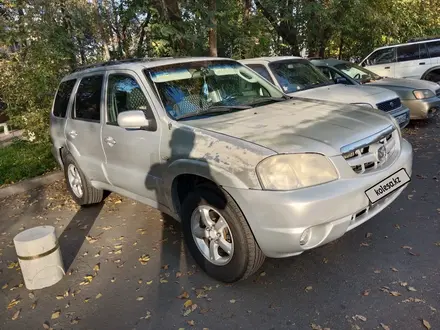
x=423, y=109
x=278, y=218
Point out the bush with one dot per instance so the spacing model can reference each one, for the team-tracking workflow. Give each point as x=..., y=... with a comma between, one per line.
x=21, y=160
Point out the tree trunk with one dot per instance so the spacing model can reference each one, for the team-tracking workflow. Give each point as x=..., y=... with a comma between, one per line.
x=213, y=29
x=103, y=34
x=144, y=25
x=341, y=45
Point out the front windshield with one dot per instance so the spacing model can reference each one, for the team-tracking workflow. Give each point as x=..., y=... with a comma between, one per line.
x=196, y=88
x=357, y=72
x=295, y=75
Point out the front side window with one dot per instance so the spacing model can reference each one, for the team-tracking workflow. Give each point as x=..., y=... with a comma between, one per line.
x=357, y=72
x=124, y=94
x=88, y=99
x=209, y=87
x=261, y=70
x=434, y=48
x=382, y=56
x=295, y=75
x=62, y=99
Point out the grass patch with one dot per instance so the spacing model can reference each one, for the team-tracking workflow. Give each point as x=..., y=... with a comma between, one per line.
x=22, y=160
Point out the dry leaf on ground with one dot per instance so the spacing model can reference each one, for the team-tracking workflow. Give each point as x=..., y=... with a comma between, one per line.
x=143, y=259
x=187, y=303
x=406, y=247
x=14, y=302
x=99, y=295
x=384, y=326
x=191, y=323
x=46, y=325
x=232, y=301
x=55, y=315
x=394, y=269
x=410, y=288
x=360, y=317
x=16, y=315
x=308, y=288
x=183, y=295
x=140, y=298
x=97, y=267
x=366, y=292
x=426, y=324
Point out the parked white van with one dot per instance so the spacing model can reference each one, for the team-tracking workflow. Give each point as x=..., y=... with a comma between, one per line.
x=418, y=60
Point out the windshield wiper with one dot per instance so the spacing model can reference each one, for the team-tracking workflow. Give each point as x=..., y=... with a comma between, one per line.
x=268, y=99
x=214, y=109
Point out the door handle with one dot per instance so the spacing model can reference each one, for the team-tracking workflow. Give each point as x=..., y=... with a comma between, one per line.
x=73, y=134
x=110, y=141
x=387, y=67
x=422, y=63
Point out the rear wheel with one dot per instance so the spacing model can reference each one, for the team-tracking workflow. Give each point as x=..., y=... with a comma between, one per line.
x=79, y=187
x=218, y=236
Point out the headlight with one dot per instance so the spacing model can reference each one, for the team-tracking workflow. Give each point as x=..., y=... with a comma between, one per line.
x=421, y=94
x=368, y=105
x=293, y=171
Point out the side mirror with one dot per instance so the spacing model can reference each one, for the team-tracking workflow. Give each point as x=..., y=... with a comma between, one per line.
x=341, y=80
x=134, y=119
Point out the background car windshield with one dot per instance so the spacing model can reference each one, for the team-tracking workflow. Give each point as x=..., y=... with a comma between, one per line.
x=357, y=72
x=297, y=75
x=194, y=87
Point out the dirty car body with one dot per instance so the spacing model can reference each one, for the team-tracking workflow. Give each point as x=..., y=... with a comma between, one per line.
x=249, y=172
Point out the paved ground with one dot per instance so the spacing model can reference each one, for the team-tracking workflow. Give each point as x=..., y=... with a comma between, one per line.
x=386, y=271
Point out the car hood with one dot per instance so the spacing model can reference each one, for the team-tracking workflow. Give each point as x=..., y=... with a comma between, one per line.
x=348, y=94
x=409, y=83
x=298, y=125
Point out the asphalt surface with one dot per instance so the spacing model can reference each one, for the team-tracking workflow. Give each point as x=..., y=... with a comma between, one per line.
x=385, y=271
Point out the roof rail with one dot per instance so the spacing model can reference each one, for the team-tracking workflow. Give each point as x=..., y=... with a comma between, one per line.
x=115, y=62
x=423, y=39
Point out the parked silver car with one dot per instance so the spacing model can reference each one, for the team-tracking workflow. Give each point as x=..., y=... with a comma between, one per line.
x=420, y=96
x=299, y=78
x=249, y=172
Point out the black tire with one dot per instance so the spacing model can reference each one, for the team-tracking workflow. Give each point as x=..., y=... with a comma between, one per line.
x=433, y=76
x=247, y=257
x=90, y=194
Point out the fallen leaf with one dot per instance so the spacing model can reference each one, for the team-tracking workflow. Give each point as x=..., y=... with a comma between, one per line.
x=143, y=259
x=394, y=269
x=98, y=254
x=75, y=320
x=414, y=254
x=59, y=297
x=97, y=267
x=149, y=282
x=426, y=324
x=163, y=280
x=263, y=274
x=46, y=325
x=91, y=239
x=384, y=327
x=232, y=301
x=184, y=295
x=194, y=307
x=433, y=309
x=34, y=305
x=187, y=303
x=360, y=317
x=107, y=227
x=325, y=260
x=395, y=293
x=16, y=315
x=178, y=274
x=31, y=295
x=113, y=280
x=99, y=295
x=165, y=267
x=117, y=252
x=406, y=247
x=55, y=315
x=191, y=323
x=437, y=243
x=14, y=302
x=397, y=226
x=368, y=235
x=86, y=300
x=119, y=201
x=308, y=288
x=140, y=298
x=364, y=244
x=410, y=288
x=4, y=286
x=410, y=197
x=118, y=246
x=12, y=265
x=377, y=271
x=366, y=292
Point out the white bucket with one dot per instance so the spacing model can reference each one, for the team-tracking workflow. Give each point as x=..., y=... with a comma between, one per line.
x=39, y=256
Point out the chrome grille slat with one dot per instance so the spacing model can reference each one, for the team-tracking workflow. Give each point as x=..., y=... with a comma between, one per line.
x=379, y=152
x=389, y=105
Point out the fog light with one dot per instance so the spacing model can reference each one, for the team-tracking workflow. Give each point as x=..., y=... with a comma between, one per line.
x=305, y=236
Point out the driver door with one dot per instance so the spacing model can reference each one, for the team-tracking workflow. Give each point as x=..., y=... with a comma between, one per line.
x=130, y=154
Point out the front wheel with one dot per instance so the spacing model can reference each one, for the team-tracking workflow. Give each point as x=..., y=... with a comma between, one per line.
x=218, y=236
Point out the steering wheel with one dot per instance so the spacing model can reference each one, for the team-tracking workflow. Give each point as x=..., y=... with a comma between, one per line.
x=357, y=76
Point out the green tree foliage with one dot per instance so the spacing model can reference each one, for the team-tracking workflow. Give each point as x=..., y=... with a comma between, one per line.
x=41, y=40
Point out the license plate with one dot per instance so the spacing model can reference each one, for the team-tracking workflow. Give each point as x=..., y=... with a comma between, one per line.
x=401, y=119
x=387, y=186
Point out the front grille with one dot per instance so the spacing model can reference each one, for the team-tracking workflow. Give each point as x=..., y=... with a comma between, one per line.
x=389, y=105
x=376, y=154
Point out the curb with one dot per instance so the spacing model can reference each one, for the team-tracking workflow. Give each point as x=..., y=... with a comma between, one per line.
x=29, y=184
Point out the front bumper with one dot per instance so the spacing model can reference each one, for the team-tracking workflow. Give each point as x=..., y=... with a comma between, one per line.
x=278, y=218
x=402, y=115
x=423, y=109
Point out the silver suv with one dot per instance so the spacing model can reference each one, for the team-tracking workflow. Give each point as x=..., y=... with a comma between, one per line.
x=248, y=171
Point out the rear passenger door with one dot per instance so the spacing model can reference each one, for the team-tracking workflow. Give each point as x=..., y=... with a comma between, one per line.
x=382, y=62
x=83, y=127
x=412, y=61
x=434, y=52
x=132, y=155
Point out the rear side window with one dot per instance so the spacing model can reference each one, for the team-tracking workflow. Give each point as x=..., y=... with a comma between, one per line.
x=261, y=70
x=88, y=99
x=434, y=48
x=62, y=98
x=381, y=56
x=411, y=52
